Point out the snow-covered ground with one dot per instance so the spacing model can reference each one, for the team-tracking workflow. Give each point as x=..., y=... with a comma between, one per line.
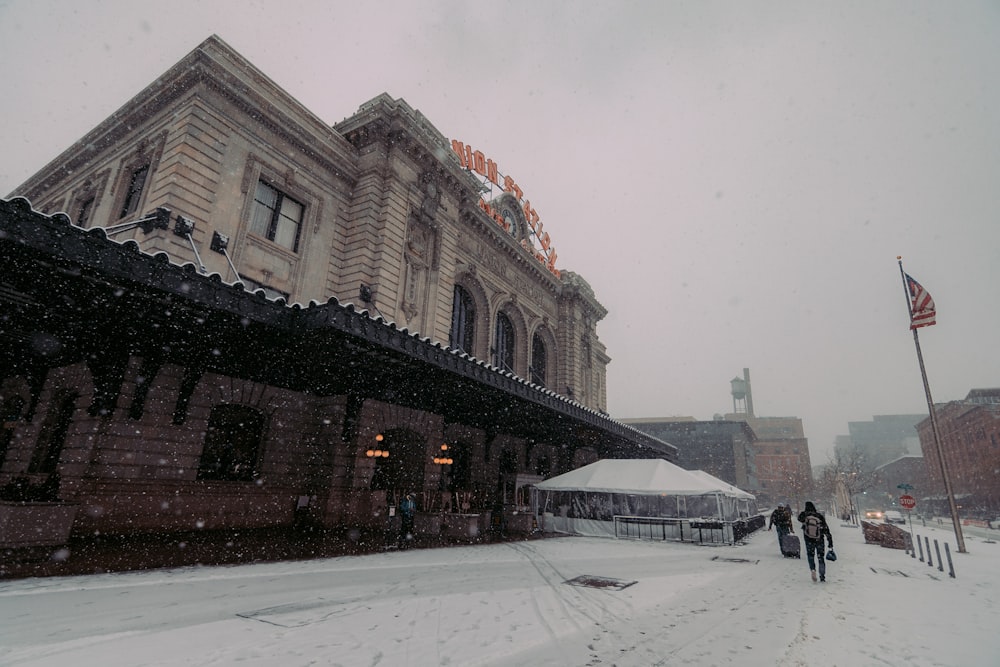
x=510, y=604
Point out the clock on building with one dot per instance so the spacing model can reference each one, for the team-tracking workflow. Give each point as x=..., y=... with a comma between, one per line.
x=511, y=220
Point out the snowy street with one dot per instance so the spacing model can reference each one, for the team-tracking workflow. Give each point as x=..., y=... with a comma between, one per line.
x=509, y=604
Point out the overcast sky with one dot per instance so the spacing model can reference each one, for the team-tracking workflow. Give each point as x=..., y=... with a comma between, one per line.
x=734, y=179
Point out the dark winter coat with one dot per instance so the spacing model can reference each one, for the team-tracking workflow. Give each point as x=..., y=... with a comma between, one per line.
x=781, y=517
x=824, y=529
x=407, y=508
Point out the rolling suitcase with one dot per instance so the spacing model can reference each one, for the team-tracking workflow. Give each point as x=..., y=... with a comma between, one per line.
x=791, y=546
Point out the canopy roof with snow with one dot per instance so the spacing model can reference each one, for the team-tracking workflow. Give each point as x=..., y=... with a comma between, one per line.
x=639, y=476
x=712, y=479
x=610, y=496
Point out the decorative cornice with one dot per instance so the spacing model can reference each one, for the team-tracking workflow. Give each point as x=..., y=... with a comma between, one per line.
x=217, y=67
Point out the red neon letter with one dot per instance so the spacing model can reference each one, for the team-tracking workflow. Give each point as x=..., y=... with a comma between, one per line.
x=491, y=172
x=459, y=149
x=479, y=163
x=527, y=215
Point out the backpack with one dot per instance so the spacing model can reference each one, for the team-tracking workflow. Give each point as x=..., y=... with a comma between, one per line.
x=812, y=527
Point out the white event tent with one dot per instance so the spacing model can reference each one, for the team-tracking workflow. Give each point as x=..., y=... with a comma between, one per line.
x=712, y=479
x=642, y=498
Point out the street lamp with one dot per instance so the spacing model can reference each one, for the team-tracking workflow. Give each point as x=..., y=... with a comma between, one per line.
x=376, y=453
x=442, y=458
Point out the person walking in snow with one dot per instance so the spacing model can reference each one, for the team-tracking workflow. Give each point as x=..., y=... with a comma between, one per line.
x=814, y=529
x=781, y=518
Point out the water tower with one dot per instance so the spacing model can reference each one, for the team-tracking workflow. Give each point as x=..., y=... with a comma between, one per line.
x=742, y=396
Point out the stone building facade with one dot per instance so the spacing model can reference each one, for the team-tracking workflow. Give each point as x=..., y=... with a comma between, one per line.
x=380, y=209
x=160, y=370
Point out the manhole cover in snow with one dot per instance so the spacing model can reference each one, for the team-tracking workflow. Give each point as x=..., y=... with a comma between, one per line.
x=590, y=581
x=736, y=560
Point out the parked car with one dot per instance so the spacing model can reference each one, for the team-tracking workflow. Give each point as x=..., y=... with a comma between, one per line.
x=874, y=515
x=892, y=516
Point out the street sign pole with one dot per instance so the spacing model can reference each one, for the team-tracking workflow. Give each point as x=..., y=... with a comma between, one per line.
x=913, y=552
x=908, y=502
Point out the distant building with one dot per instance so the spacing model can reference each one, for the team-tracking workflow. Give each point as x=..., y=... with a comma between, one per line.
x=720, y=448
x=970, y=445
x=884, y=491
x=772, y=462
x=885, y=438
x=781, y=459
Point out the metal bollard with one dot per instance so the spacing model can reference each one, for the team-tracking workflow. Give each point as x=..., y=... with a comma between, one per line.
x=938, y=550
x=951, y=566
x=927, y=542
x=920, y=545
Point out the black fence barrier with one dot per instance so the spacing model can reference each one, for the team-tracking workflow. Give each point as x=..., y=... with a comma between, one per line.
x=687, y=530
x=743, y=528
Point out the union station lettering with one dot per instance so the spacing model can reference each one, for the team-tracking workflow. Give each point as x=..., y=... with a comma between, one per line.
x=479, y=163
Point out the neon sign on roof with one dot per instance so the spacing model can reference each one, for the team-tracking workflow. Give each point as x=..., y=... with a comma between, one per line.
x=479, y=163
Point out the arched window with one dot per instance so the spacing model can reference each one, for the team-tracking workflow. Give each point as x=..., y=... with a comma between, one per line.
x=461, y=469
x=402, y=470
x=507, y=482
x=232, y=444
x=52, y=436
x=539, y=365
x=10, y=413
x=463, y=321
x=503, y=345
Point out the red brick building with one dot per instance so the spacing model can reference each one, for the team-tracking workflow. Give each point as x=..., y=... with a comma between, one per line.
x=970, y=444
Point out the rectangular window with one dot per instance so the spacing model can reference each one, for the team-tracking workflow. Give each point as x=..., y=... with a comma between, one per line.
x=276, y=216
x=136, y=184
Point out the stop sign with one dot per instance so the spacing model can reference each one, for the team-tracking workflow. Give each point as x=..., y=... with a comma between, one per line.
x=907, y=502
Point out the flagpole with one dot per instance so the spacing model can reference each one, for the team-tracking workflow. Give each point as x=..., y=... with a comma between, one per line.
x=960, y=540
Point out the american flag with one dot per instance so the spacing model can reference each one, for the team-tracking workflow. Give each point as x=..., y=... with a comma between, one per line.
x=922, y=312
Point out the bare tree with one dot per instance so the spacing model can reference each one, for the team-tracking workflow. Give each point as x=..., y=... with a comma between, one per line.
x=845, y=476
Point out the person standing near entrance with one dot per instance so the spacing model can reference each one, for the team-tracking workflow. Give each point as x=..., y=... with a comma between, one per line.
x=407, y=510
x=814, y=530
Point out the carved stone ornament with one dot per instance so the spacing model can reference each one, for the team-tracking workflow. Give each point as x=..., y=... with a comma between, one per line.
x=419, y=258
x=431, y=200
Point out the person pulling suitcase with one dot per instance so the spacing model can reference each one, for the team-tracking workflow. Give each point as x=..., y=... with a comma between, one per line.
x=781, y=519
